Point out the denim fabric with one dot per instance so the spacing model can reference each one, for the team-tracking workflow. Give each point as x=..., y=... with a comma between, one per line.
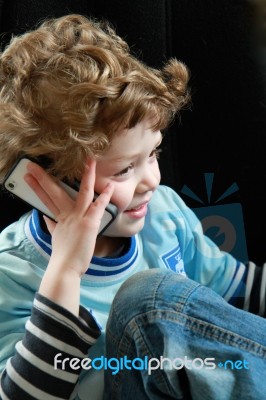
x=159, y=313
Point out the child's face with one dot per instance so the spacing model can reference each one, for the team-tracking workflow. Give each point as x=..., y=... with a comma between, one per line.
x=131, y=164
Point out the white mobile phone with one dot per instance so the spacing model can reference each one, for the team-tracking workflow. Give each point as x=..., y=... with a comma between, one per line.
x=14, y=182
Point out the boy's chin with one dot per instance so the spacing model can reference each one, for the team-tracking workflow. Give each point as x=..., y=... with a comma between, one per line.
x=126, y=231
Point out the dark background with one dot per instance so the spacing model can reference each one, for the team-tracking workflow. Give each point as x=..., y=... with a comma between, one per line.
x=224, y=132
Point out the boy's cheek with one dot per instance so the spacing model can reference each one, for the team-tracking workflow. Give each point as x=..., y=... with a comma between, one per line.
x=115, y=199
x=122, y=195
x=119, y=202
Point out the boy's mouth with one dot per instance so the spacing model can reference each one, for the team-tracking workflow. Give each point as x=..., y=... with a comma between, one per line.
x=139, y=211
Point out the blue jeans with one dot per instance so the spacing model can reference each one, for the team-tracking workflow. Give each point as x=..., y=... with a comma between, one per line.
x=182, y=341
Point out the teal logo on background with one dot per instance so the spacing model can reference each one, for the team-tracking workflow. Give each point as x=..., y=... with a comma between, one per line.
x=222, y=223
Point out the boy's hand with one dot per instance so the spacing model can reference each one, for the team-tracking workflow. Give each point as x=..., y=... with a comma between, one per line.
x=75, y=232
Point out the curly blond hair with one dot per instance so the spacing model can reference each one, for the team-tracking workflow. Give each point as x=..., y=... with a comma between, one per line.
x=67, y=87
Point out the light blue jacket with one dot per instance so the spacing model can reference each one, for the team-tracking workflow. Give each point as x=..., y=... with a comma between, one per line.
x=171, y=238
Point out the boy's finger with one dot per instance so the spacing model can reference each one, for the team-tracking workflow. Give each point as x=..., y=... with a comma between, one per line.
x=41, y=193
x=99, y=205
x=86, y=189
x=50, y=193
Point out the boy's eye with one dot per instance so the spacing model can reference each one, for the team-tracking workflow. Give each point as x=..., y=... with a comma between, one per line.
x=124, y=171
x=156, y=153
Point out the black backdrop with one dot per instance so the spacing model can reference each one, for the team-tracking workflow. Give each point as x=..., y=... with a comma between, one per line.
x=224, y=132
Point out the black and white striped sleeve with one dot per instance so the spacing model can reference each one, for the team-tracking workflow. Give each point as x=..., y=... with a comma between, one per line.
x=253, y=297
x=52, y=333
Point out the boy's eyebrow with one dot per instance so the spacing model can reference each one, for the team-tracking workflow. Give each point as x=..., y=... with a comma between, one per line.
x=130, y=156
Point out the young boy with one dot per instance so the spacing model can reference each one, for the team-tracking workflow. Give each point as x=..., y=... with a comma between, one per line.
x=71, y=93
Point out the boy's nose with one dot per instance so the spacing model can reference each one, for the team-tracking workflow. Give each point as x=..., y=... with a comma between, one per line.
x=149, y=182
